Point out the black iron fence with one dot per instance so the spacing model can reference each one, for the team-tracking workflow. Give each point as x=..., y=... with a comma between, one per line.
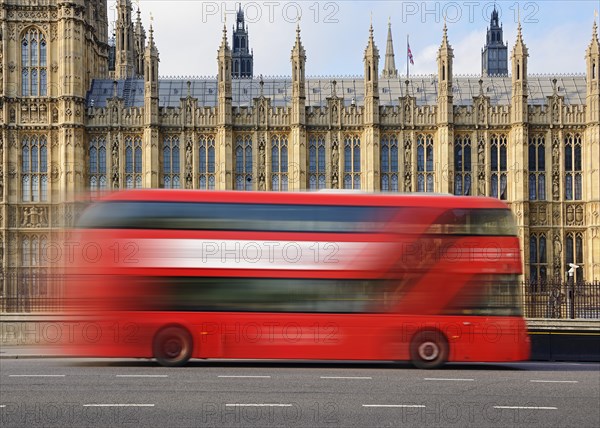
x=557, y=300
x=554, y=299
x=24, y=304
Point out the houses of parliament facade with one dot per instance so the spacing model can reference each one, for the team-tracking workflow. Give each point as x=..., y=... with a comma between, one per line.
x=81, y=111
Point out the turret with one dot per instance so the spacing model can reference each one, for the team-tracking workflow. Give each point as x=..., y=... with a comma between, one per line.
x=125, y=47
x=140, y=43
x=519, y=79
x=444, y=62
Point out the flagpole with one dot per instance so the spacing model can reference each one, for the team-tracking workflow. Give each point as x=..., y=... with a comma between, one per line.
x=407, y=59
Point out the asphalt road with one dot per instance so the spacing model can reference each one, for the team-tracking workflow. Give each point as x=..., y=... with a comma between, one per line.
x=94, y=392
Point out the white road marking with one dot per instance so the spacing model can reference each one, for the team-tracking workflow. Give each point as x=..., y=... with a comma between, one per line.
x=2, y=405
x=36, y=375
x=393, y=405
x=526, y=407
x=142, y=375
x=555, y=381
x=118, y=405
x=240, y=376
x=446, y=378
x=258, y=405
x=346, y=377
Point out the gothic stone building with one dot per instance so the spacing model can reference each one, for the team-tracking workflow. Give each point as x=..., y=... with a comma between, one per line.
x=78, y=113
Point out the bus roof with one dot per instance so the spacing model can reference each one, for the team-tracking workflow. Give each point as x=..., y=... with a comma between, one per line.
x=303, y=198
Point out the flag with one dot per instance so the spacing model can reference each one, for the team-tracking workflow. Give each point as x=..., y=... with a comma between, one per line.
x=410, y=56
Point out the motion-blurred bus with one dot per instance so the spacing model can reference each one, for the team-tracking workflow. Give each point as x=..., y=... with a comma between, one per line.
x=174, y=275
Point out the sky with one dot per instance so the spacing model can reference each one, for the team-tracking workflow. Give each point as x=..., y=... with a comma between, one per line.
x=335, y=33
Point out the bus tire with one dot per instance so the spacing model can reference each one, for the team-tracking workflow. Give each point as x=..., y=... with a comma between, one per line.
x=172, y=346
x=429, y=349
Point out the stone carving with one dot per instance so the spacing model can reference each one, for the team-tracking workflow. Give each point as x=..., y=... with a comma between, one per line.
x=556, y=215
x=481, y=183
x=481, y=153
x=557, y=249
x=34, y=217
x=115, y=165
x=12, y=170
x=407, y=115
x=542, y=215
x=574, y=215
x=261, y=165
x=407, y=166
x=555, y=111
x=555, y=171
x=261, y=115
x=481, y=112
x=335, y=159
x=189, y=166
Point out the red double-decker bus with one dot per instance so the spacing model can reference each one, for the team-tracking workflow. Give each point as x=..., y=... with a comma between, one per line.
x=175, y=275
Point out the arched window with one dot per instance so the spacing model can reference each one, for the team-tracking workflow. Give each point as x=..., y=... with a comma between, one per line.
x=389, y=163
x=243, y=163
x=33, y=280
x=499, y=167
x=34, y=78
x=574, y=254
x=206, y=164
x=97, y=165
x=279, y=163
x=425, y=172
x=352, y=162
x=34, y=169
x=316, y=162
x=537, y=168
x=538, y=262
x=462, y=165
x=133, y=162
x=171, y=162
x=573, y=168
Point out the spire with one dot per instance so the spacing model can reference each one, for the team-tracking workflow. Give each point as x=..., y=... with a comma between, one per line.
x=389, y=69
x=139, y=35
x=371, y=81
x=520, y=47
x=445, y=43
x=494, y=17
x=371, y=49
x=224, y=45
x=594, y=41
x=298, y=48
x=139, y=28
x=151, y=45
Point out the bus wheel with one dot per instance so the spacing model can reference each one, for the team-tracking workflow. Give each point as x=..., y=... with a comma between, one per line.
x=172, y=347
x=429, y=350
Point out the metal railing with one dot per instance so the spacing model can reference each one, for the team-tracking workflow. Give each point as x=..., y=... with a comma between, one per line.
x=556, y=299
x=23, y=304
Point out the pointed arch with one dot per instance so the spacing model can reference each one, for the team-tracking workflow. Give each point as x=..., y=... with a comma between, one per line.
x=34, y=59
